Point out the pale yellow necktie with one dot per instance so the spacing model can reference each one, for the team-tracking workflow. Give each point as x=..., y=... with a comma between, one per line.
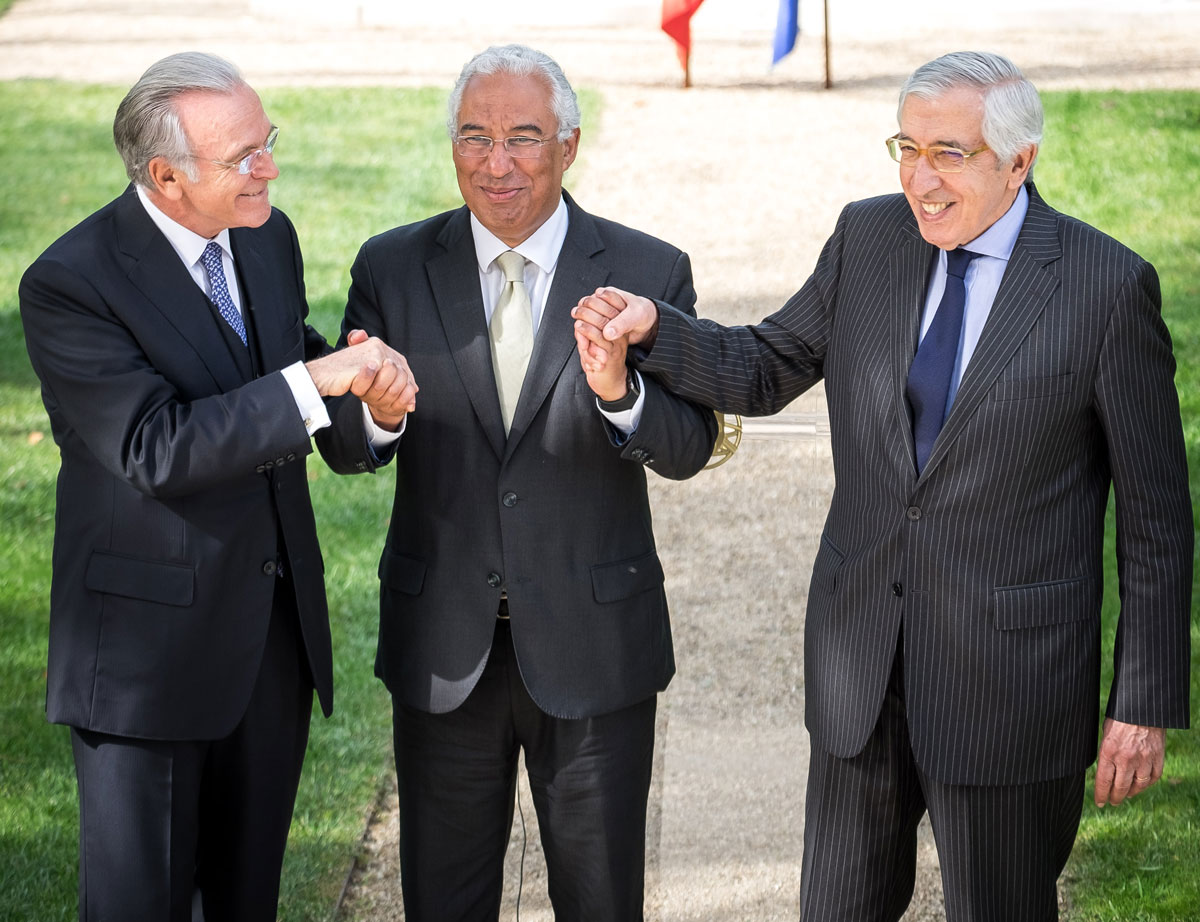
x=512, y=334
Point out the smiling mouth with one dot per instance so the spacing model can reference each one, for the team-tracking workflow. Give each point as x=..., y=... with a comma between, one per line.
x=934, y=208
x=500, y=195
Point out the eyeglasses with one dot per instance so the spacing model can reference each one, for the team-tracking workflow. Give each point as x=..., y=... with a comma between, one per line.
x=519, y=147
x=250, y=161
x=942, y=158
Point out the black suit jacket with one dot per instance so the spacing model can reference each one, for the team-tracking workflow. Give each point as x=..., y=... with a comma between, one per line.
x=556, y=515
x=182, y=476
x=991, y=558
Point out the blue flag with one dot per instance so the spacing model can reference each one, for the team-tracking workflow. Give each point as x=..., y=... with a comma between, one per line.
x=786, y=29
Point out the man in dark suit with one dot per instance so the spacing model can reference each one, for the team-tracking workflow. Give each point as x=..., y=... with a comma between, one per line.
x=188, y=623
x=991, y=367
x=521, y=608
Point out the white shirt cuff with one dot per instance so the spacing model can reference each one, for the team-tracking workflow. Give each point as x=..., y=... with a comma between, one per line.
x=378, y=437
x=626, y=421
x=308, y=401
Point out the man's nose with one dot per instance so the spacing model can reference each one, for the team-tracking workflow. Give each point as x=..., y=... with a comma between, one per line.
x=265, y=166
x=924, y=176
x=499, y=160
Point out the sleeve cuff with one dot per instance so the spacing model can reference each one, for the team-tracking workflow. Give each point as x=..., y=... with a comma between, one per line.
x=308, y=401
x=627, y=421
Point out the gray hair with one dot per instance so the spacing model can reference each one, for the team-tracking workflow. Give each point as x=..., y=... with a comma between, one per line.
x=519, y=61
x=147, y=124
x=1012, y=109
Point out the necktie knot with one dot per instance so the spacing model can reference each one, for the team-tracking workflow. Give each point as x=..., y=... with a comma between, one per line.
x=957, y=261
x=512, y=264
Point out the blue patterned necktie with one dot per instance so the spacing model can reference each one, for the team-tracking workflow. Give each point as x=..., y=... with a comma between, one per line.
x=211, y=257
x=929, y=376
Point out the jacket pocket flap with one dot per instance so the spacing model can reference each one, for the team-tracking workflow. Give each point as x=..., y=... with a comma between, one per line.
x=1040, y=604
x=135, y=578
x=625, y=578
x=404, y=574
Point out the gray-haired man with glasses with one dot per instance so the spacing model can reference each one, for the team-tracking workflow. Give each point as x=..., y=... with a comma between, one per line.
x=188, y=624
x=993, y=368
x=522, y=606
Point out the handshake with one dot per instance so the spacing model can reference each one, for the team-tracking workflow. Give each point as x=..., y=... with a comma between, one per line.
x=372, y=371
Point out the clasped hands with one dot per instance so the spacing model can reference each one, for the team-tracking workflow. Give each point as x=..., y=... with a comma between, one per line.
x=606, y=324
x=372, y=371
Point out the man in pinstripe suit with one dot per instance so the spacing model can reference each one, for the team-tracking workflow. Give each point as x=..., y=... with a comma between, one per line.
x=952, y=641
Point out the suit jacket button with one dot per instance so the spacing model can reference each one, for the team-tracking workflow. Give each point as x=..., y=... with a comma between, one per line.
x=270, y=567
x=261, y=469
x=494, y=580
x=897, y=589
x=280, y=462
x=913, y=513
x=291, y=456
x=510, y=499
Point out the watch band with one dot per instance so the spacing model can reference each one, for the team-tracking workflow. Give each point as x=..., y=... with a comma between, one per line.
x=624, y=403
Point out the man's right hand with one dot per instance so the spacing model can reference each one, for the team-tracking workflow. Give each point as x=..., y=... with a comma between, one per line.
x=371, y=370
x=612, y=314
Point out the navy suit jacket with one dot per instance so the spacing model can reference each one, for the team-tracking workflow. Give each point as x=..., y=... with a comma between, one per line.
x=182, y=478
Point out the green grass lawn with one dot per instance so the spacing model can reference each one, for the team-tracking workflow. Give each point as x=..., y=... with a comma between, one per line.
x=355, y=162
x=1130, y=164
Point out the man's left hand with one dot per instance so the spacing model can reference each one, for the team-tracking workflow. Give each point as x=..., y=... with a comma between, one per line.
x=1130, y=760
x=604, y=366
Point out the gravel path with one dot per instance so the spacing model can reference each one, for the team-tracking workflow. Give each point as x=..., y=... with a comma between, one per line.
x=746, y=171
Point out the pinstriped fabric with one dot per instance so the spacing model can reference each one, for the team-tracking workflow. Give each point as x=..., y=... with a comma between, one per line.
x=1001, y=847
x=992, y=558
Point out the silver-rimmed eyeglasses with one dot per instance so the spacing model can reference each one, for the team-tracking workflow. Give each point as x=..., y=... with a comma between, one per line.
x=250, y=161
x=941, y=157
x=519, y=147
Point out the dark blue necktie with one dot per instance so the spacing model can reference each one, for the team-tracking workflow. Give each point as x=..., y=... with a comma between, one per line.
x=929, y=376
x=211, y=257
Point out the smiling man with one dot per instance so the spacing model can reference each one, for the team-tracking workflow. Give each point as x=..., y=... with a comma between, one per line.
x=188, y=624
x=993, y=368
x=522, y=606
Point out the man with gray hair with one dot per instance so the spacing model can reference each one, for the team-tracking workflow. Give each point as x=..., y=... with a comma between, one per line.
x=522, y=608
x=188, y=624
x=992, y=367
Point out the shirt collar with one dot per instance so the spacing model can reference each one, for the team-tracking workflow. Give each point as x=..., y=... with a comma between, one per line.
x=188, y=244
x=999, y=239
x=541, y=248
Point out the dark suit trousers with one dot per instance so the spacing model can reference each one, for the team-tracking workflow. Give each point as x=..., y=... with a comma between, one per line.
x=1001, y=847
x=590, y=780
x=162, y=821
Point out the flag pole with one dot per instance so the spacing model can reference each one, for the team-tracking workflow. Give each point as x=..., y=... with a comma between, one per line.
x=828, y=69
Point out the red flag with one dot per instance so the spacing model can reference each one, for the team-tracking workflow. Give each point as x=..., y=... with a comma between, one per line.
x=676, y=22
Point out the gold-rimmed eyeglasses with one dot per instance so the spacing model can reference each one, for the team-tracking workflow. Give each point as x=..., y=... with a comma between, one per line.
x=941, y=157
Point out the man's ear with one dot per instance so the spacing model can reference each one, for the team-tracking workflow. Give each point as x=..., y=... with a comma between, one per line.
x=1022, y=163
x=570, y=149
x=165, y=179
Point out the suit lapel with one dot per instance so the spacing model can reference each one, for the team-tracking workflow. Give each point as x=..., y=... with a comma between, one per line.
x=1026, y=287
x=160, y=275
x=267, y=317
x=576, y=273
x=909, y=270
x=454, y=279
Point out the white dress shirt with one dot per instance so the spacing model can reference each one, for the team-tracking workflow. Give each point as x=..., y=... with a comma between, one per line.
x=189, y=246
x=995, y=246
